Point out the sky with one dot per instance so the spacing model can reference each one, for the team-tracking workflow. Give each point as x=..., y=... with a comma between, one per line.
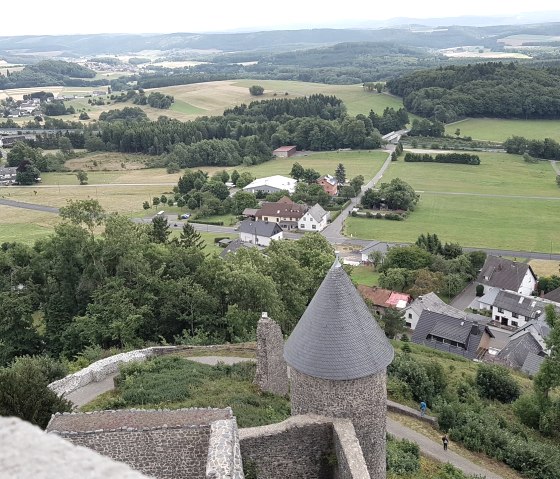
x=166, y=16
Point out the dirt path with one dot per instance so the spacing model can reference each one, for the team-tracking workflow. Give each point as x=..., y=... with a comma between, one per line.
x=555, y=166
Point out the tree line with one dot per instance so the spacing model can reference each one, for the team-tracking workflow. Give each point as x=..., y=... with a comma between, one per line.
x=547, y=149
x=492, y=89
x=456, y=158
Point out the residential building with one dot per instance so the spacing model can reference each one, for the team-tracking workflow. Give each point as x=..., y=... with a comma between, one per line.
x=329, y=184
x=272, y=184
x=509, y=275
x=235, y=246
x=373, y=246
x=284, y=212
x=553, y=295
x=486, y=301
x=511, y=309
x=314, y=219
x=469, y=339
x=526, y=348
x=260, y=233
x=381, y=299
x=285, y=151
x=429, y=302
x=8, y=175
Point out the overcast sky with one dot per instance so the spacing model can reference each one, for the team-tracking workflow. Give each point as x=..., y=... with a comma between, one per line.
x=39, y=17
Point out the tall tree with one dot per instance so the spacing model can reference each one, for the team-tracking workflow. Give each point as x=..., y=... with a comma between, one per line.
x=340, y=174
x=190, y=238
x=160, y=229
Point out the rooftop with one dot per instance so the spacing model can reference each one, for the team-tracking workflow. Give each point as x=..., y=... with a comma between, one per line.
x=526, y=306
x=277, y=181
x=432, y=302
x=553, y=295
x=337, y=337
x=317, y=212
x=284, y=148
x=259, y=228
x=503, y=273
x=284, y=208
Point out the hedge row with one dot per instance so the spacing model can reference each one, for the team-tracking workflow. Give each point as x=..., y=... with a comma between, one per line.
x=457, y=158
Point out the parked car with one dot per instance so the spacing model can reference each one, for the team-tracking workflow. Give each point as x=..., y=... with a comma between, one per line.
x=185, y=216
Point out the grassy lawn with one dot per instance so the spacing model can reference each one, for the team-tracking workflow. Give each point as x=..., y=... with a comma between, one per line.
x=183, y=107
x=525, y=224
x=497, y=129
x=25, y=226
x=365, y=275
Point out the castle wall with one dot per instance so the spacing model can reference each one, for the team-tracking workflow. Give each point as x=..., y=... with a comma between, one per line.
x=297, y=448
x=272, y=371
x=364, y=401
x=224, y=454
x=350, y=459
x=163, y=453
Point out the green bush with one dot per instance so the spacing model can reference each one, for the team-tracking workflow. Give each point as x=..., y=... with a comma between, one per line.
x=495, y=382
x=403, y=457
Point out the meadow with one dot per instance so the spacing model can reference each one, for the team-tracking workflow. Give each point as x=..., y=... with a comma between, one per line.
x=499, y=129
x=124, y=190
x=503, y=203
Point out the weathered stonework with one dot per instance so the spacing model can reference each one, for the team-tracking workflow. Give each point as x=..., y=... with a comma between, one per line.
x=224, y=455
x=298, y=448
x=162, y=444
x=351, y=462
x=272, y=371
x=363, y=401
x=99, y=370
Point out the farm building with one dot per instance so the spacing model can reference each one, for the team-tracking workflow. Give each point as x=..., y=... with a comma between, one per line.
x=285, y=151
x=329, y=184
x=272, y=184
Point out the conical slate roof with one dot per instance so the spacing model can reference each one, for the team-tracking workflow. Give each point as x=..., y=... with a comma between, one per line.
x=337, y=337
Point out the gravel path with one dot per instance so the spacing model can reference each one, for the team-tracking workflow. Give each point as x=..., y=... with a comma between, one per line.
x=555, y=166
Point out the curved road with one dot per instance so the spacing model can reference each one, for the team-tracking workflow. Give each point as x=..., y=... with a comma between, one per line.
x=428, y=447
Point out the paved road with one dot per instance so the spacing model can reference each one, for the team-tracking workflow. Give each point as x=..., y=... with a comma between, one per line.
x=465, y=297
x=28, y=206
x=435, y=450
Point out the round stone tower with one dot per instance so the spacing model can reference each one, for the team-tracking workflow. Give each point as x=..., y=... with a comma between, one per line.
x=338, y=358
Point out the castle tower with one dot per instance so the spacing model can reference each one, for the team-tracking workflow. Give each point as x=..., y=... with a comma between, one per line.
x=338, y=358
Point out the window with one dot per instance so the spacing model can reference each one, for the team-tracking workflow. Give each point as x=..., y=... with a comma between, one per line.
x=500, y=310
x=302, y=226
x=409, y=315
x=266, y=218
x=514, y=315
x=497, y=318
x=514, y=323
x=314, y=227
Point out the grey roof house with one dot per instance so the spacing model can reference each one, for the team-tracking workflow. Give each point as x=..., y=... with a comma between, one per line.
x=553, y=295
x=505, y=274
x=260, y=233
x=453, y=335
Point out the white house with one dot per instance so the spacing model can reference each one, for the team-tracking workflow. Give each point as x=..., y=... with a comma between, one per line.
x=272, y=184
x=516, y=310
x=260, y=233
x=315, y=219
x=373, y=246
x=429, y=302
x=502, y=273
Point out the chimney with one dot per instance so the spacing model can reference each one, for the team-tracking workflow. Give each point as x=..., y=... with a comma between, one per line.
x=264, y=315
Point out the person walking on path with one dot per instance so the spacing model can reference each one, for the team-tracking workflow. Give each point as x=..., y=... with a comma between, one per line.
x=445, y=441
x=423, y=407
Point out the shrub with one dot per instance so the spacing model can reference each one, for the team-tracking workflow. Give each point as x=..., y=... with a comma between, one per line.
x=495, y=382
x=403, y=457
x=479, y=290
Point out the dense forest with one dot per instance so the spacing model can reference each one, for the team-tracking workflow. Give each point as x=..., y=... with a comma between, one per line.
x=133, y=285
x=50, y=73
x=488, y=89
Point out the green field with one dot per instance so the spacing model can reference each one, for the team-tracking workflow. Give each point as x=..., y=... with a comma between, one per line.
x=514, y=219
x=365, y=275
x=496, y=129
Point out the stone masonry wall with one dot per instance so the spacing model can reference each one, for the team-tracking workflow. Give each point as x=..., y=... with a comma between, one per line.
x=364, y=401
x=169, y=453
x=224, y=455
x=351, y=462
x=99, y=370
x=298, y=448
x=272, y=371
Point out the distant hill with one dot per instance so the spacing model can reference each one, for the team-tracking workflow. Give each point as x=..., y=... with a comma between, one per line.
x=280, y=40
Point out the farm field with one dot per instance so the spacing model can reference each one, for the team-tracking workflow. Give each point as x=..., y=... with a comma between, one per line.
x=523, y=216
x=497, y=129
x=130, y=188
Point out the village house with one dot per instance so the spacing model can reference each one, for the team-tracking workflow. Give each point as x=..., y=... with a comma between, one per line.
x=381, y=299
x=284, y=212
x=236, y=245
x=511, y=309
x=429, y=302
x=526, y=348
x=272, y=184
x=315, y=219
x=8, y=175
x=553, y=295
x=502, y=273
x=285, y=151
x=469, y=339
x=329, y=184
x=260, y=233
x=370, y=248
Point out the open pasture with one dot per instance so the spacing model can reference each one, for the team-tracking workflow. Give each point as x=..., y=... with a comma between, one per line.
x=503, y=203
x=499, y=129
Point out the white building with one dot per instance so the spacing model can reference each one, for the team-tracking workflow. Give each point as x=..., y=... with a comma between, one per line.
x=502, y=273
x=272, y=184
x=260, y=233
x=316, y=219
x=516, y=310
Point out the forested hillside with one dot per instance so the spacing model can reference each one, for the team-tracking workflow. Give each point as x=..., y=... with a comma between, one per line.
x=50, y=73
x=489, y=89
